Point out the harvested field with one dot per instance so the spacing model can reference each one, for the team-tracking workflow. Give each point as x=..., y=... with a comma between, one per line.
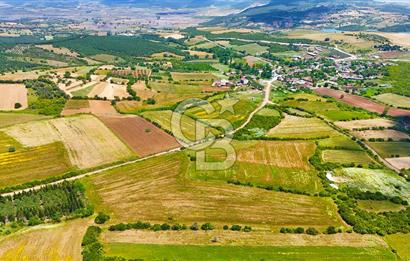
x=391, y=149
x=299, y=127
x=88, y=141
x=255, y=238
x=400, y=163
x=46, y=242
x=142, y=136
x=374, y=180
x=142, y=91
x=20, y=76
x=282, y=154
x=346, y=157
x=369, y=123
x=102, y=108
x=394, y=100
x=7, y=119
x=29, y=164
x=200, y=54
x=252, y=60
x=197, y=77
x=11, y=95
x=157, y=190
x=75, y=107
x=402, y=39
x=380, y=134
x=361, y=102
x=109, y=90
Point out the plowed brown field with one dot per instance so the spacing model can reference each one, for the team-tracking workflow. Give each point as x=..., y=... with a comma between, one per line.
x=141, y=135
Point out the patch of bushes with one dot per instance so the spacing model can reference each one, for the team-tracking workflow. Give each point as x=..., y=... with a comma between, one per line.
x=101, y=218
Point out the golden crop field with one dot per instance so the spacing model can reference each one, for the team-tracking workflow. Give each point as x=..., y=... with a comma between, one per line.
x=45, y=243
x=7, y=119
x=88, y=141
x=299, y=127
x=158, y=190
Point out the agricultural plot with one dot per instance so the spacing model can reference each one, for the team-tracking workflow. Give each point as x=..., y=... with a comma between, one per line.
x=219, y=253
x=381, y=134
x=75, y=107
x=102, y=108
x=384, y=181
x=29, y=164
x=330, y=110
x=292, y=127
x=391, y=149
x=346, y=157
x=7, y=119
x=339, y=141
x=400, y=163
x=269, y=163
x=187, y=125
x=361, y=102
x=252, y=48
x=142, y=136
x=193, y=77
x=361, y=124
x=142, y=91
x=234, y=109
x=394, y=100
x=379, y=205
x=109, y=91
x=158, y=190
x=46, y=242
x=13, y=97
x=88, y=141
x=400, y=243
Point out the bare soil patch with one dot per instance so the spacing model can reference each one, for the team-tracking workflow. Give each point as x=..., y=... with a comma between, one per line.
x=400, y=163
x=12, y=94
x=142, y=136
x=102, y=108
x=380, y=134
x=359, y=124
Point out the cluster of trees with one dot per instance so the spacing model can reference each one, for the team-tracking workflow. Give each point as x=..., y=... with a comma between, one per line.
x=48, y=203
x=181, y=66
x=9, y=63
x=299, y=230
x=50, y=99
x=238, y=228
x=92, y=248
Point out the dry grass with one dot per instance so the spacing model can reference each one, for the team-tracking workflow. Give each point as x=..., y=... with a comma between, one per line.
x=45, y=243
x=298, y=127
x=88, y=141
x=10, y=94
x=370, y=123
x=400, y=163
x=58, y=50
x=7, y=119
x=402, y=39
x=380, y=134
x=281, y=154
x=109, y=90
x=394, y=99
x=157, y=190
x=255, y=238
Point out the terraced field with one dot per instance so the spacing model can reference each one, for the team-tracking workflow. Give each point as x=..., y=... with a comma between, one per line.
x=158, y=190
x=298, y=127
x=36, y=163
x=88, y=141
x=45, y=242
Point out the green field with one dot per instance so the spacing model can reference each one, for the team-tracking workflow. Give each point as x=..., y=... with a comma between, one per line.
x=399, y=78
x=346, y=157
x=339, y=141
x=190, y=252
x=267, y=163
x=400, y=243
x=7, y=119
x=84, y=92
x=332, y=111
x=391, y=149
x=394, y=100
x=31, y=164
x=252, y=48
x=375, y=180
x=379, y=205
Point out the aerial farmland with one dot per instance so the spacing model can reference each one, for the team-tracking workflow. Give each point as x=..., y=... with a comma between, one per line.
x=151, y=137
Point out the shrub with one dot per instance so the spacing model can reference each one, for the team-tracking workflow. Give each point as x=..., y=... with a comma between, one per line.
x=91, y=235
x=156, y=227
x=17, y=105
x=312, y=231
x=194, y=227
x=331, y=230
x=33, y=221
x=226, y=227
x=12, y=149
x=236, y=228
x=165, y=226
x=101, y=218
x=299, y=230
x=207, y=226
x=247, y=229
